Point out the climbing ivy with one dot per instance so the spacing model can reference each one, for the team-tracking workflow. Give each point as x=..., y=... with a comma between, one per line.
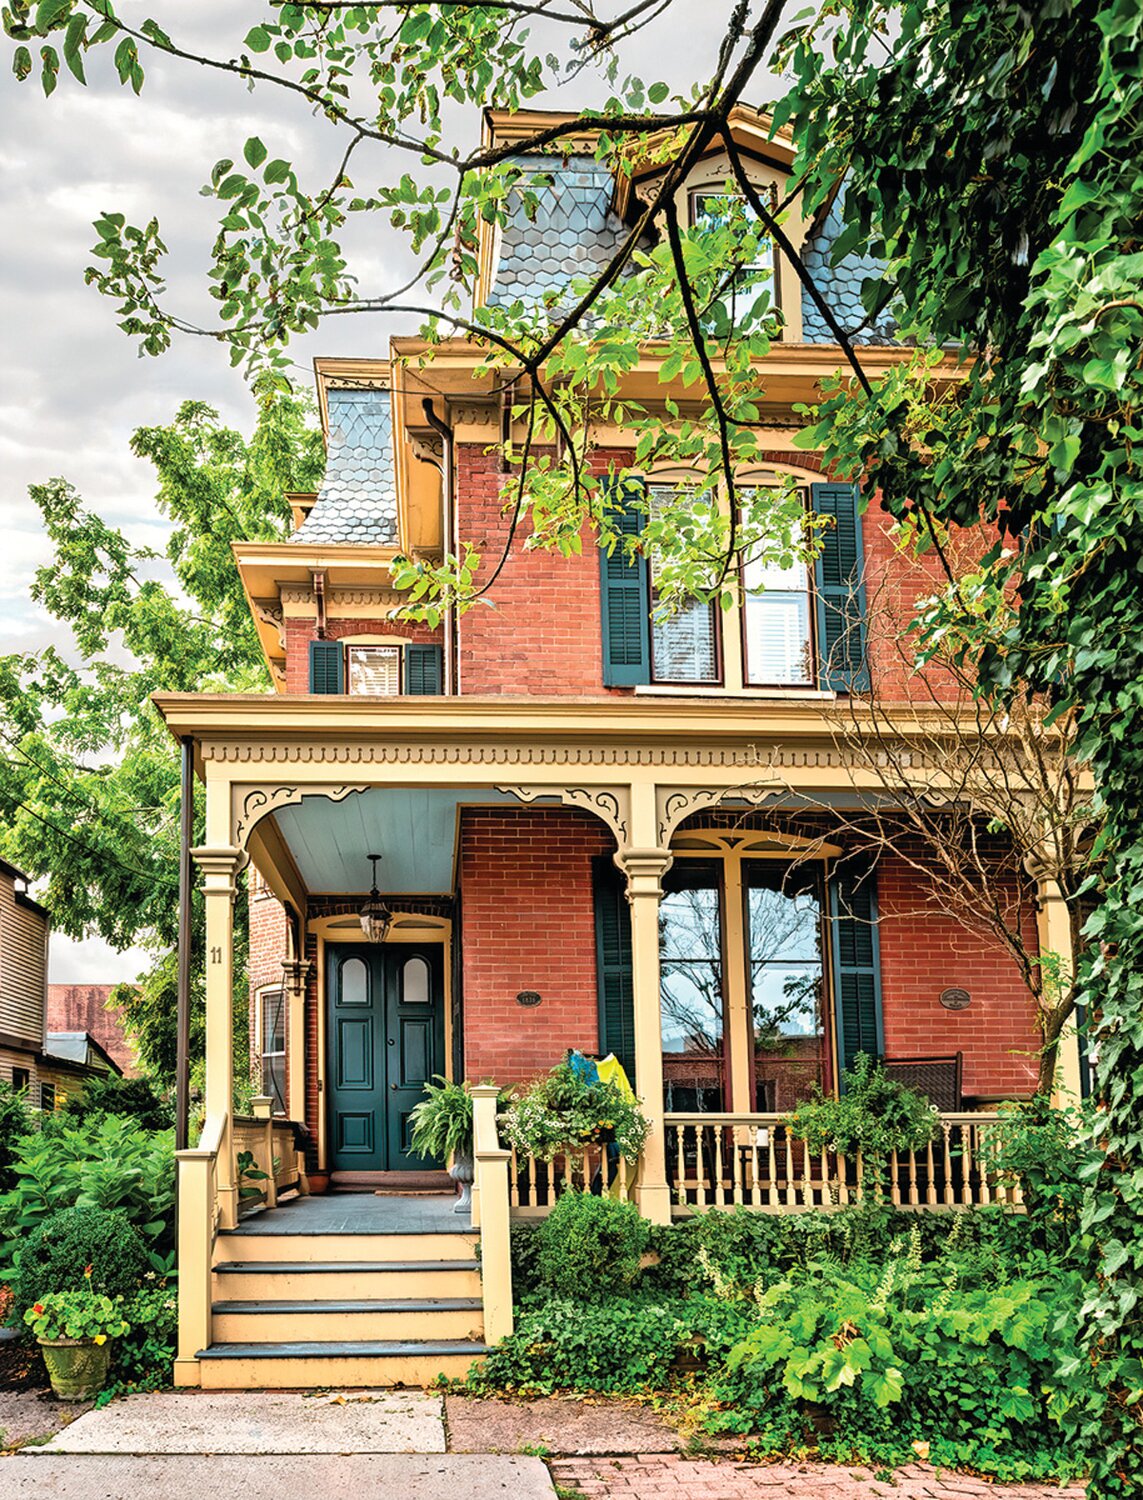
x=992, y=154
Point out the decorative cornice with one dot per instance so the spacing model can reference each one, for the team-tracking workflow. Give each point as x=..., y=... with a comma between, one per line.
x=220, y=867
x=466, y=754
x=644, y=869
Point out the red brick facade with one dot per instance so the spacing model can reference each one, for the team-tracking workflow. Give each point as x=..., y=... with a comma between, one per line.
x=83, y=1007
x=925, y=951
x=528, y=924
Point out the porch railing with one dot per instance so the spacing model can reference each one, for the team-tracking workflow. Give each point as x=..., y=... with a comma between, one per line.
x=270, y=1142
x=198, y=1211
x=722, y=1160
x=535, y=1185
x=491, y=1214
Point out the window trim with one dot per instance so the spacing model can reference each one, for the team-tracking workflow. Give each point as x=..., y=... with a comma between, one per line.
x=815, y=679
x=260, y=997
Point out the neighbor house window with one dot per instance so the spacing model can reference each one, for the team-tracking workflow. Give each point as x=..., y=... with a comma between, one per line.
x=21, y=1079
x=374, y=669
x=273, y=1023
x=47, y=1096
x=776, y=623
x=691, y=989
x=684, y=645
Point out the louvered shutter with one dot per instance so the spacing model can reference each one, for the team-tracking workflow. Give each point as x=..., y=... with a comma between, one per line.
x=613, y=966
x=327, y=667
x=840, y=590
x=856, y=962
x=625, y=597
x=424, y=669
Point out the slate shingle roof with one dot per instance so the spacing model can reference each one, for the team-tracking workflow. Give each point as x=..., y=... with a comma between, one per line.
x=575, y=232
x=357, y=501
x=841, y=285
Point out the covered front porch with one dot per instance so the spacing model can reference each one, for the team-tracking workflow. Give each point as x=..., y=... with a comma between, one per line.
x=541, y=831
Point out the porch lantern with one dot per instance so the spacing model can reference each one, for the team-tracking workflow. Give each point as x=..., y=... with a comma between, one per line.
x=376, y=918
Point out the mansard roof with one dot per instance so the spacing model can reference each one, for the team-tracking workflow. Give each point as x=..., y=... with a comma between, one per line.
x=357, y=501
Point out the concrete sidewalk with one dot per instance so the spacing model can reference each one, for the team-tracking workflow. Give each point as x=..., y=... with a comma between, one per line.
x=371, y=1476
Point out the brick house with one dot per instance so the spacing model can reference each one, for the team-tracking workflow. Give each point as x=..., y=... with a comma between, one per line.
x=577, y=846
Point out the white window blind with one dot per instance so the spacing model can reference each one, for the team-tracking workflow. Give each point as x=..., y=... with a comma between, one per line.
x=683, y=646
x=375, y=669
x=778, y=636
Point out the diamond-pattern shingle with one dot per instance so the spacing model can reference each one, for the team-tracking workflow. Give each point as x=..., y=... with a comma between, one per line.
x=357, y=501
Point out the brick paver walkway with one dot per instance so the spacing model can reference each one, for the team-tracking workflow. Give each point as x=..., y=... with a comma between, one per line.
x=664, y=1476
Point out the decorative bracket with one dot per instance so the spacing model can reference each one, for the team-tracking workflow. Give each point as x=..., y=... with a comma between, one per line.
x=674, y=803
x=612, y=804
x=249, y=804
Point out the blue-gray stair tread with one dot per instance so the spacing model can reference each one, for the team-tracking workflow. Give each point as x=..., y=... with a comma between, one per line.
x=344, y=1349
x=383, y=1304
x=263, y=1267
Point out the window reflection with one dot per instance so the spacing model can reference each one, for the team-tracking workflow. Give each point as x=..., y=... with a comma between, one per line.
x=786, y=984
x=691, y=988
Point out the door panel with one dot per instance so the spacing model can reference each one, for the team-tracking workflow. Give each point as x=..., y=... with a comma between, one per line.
x=386, y=1037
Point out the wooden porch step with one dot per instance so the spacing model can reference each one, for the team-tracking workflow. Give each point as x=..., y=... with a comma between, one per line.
x=354, y=1321
x=271, y=1244
x=399, y=1183
x=348, y=1280
x=364, y=1362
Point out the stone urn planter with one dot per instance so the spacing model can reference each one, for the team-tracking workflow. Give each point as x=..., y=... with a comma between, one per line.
x=462, y=1173
x=77, y=1368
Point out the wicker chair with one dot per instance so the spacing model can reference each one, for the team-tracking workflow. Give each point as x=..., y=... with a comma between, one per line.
x=938, y=1078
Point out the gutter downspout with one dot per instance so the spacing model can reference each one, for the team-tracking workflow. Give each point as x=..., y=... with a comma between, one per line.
x=452, y=544
x=182, y=1044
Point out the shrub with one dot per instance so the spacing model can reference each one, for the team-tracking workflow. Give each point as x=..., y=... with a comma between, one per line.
x=105, y=1163
x=874, y=1115
x=589, y=1247
x=54, y=1257
x=15, y=1123
x=128, y=1098
x=1049, y=1151
x=144, y=1356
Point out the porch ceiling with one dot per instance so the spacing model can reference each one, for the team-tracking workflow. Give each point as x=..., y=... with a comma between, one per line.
x=412, y=828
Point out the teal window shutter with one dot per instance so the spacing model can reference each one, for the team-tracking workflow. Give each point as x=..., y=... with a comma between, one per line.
x=613, y=965
x=856, y=962
x=424, y=669
x=839, y=593
x=327, y=667
x=624, y=592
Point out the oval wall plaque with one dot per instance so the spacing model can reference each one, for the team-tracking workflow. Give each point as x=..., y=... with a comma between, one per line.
x=528, y=997
x=955, y=999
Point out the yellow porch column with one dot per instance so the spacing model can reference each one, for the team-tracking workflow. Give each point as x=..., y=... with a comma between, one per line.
x=1054, y=930
x=645, y=869
x=220, y=867
x=296, y=973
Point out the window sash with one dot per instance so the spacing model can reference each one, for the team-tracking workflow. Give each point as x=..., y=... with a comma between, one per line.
x=777, y=624
x=684, y=646
x=273, y=1047
x=374, y=670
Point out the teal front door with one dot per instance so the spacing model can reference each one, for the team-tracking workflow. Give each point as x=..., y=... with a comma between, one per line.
x=386, y=1037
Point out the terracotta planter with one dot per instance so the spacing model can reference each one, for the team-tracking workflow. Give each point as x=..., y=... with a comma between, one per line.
x=77, y=1368
x=318, y=1182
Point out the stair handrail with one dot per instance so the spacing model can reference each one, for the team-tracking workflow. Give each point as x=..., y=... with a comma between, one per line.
x=196, y=1182
x=491, y=1214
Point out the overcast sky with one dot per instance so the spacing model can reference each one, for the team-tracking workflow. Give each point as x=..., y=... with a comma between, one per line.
x=72, y=389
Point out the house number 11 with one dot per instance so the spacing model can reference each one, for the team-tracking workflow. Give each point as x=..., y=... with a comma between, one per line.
x=216, y=954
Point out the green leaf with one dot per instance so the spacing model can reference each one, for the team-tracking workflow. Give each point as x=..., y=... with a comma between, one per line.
x=254, y=152
x=277, y=171
x=49, y=12
x=657, y=93
x=258, y=39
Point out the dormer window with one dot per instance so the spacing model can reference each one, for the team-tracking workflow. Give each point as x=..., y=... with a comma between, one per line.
x=712, y=209
x=376, y=669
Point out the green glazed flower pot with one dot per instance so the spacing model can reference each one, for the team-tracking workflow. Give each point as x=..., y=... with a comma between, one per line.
x=77, y=1368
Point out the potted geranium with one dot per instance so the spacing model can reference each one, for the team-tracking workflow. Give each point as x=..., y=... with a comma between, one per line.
x=442, y=1127
x=73, y=1329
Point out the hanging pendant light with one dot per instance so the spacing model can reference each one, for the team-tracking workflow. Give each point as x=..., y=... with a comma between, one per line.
x=376, y=918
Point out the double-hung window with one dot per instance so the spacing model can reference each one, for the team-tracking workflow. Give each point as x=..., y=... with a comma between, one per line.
x=272, y=1020
x=684, y=643
x=777, y=634
x=375, y=669
x=714, y=210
